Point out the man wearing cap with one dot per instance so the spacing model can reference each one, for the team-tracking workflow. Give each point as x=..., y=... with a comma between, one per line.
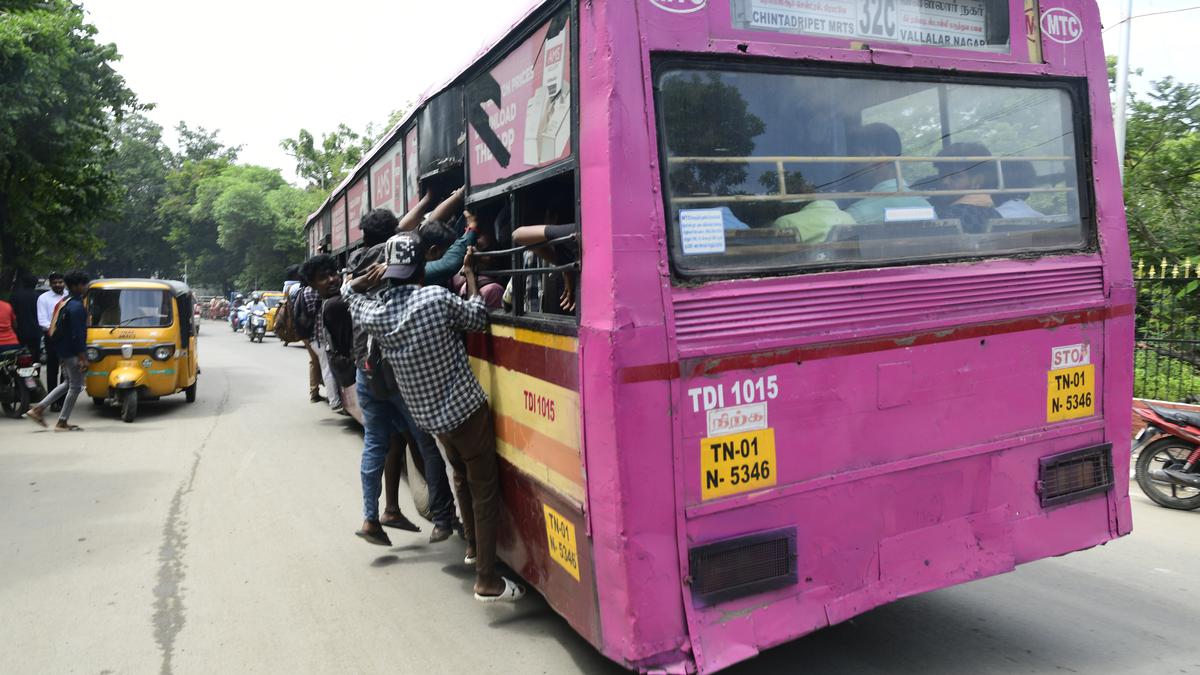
x=418, y=331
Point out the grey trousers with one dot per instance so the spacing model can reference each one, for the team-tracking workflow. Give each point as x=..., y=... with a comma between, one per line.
x=69, y=388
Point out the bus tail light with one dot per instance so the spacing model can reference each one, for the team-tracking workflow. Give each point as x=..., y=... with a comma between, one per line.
x=734, y=568
x=1074, y=475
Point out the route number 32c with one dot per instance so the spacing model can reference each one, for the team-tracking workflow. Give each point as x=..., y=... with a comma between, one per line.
x=878, y=18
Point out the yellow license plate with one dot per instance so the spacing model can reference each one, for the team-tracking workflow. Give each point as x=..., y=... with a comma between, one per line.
x=737, y=463
x=1071, y=393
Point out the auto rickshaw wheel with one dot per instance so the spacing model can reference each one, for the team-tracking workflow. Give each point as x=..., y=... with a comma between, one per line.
x=129, y=404
x=190, y=392
x=97, y=401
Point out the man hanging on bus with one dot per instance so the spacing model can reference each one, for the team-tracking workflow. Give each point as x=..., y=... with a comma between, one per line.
x=418, y=329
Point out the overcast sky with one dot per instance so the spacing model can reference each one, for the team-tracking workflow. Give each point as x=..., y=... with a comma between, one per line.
x=259, y=70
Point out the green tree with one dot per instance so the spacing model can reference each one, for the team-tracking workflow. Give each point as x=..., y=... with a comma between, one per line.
x=1162, y=171
x=324, y=165
x=192, y=231
x=200, y=143
x=58, y=96
x=135, y=239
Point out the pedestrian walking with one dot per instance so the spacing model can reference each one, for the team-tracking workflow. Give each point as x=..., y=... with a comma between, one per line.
x=68, y=341
x=45, y=312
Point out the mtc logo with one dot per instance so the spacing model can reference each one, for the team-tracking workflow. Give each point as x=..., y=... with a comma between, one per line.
x=679, y=6
x=1061, y=25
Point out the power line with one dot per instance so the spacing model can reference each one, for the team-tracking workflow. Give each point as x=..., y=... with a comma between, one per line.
x=1139, y=16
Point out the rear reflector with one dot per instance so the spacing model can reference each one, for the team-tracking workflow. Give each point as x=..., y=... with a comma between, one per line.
x=1074, y=475
x=734, y=568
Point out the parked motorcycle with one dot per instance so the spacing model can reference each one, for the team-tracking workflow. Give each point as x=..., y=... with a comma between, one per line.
x=20, y=386
x=1168, y=456
x=256, y=325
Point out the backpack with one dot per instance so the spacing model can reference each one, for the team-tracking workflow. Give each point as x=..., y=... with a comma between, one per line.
x=58, y=321
x=302, y=321
x=285, y=327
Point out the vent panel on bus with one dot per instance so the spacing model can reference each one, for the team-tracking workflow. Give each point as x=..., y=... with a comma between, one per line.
x=709, y=317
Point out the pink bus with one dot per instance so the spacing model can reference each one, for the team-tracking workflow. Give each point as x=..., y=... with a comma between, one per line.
x=849, y=317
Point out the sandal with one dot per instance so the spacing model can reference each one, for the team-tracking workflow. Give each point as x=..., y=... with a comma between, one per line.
x=512, y=592
x=378, y=538
x=36, y=418
x=69, y=427
x=398, y=521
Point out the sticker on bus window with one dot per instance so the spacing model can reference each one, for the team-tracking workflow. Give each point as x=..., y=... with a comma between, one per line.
x=1071, y=393
x=906, y=213
x=730, y=465
x=702, y=231
x=560, y=534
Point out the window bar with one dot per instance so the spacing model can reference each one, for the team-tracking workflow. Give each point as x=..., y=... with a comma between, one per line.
x=522, y=249
x=782, y=177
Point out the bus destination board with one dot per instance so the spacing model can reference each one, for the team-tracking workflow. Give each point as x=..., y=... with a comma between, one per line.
x=956, y=24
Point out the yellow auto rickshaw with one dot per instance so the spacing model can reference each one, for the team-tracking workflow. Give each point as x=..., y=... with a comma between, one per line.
x=273, y=300
x=141, y=342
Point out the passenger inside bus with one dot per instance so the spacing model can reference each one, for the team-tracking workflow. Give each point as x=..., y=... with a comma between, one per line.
x=550, y=215
x=1013, y=205
x=878, y=140
x=975, y=209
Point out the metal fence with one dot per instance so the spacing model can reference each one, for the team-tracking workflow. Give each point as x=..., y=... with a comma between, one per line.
x=1167, y=348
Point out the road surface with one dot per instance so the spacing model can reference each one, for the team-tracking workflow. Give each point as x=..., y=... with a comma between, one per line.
x=217, y=537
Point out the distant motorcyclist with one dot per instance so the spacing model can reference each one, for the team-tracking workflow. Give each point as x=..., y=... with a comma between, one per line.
x=256, y=303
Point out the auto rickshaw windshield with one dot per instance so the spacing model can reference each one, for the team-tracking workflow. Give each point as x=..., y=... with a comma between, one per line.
x=129, y=307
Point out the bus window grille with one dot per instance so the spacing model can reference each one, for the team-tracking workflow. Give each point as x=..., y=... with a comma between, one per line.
x=1074, y=475
x=744, y=566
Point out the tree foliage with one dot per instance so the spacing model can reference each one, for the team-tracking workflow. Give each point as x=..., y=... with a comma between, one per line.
x=325, y=164
x=134, y=238
x=59, y=95
x=1162, y=171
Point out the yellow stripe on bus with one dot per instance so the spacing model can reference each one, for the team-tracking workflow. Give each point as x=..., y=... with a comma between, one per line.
x=542, y=406
x=540, y=472
x=562, y=343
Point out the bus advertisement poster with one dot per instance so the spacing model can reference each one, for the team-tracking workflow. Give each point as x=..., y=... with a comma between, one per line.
x=356, y=207
x=410, y=167
x=520, y=111
x=387, y=181
x=337, y=237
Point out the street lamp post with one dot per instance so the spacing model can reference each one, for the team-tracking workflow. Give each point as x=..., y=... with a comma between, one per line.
x=1123, y=88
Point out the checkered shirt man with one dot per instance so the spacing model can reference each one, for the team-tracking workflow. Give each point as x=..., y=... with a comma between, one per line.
x=418, y=332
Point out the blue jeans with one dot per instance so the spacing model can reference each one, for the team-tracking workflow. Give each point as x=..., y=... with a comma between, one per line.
x=381, y=417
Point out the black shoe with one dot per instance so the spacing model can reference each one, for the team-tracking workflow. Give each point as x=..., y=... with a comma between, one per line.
x=440, y=534
x=457, y=526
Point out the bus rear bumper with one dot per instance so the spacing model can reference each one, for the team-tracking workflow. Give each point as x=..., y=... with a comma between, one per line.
x=896, y=536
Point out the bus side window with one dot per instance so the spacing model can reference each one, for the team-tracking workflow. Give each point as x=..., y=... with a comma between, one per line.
x=546, y=224
x=493, y=220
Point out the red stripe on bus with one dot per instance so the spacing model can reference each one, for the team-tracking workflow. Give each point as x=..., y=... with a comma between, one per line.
x=545, y=363
x=721, y=364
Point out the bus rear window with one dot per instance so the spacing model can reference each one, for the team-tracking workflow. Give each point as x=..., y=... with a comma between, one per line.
x=780, y=171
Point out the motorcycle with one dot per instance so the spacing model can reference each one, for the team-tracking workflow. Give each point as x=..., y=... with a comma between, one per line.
x=20, y=386
x=1168, y=456
x=256, y=325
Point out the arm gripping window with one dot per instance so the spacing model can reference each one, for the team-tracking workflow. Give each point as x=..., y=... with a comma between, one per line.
x=778, y=171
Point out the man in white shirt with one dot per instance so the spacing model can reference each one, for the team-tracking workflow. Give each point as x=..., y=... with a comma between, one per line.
x=45, y=311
